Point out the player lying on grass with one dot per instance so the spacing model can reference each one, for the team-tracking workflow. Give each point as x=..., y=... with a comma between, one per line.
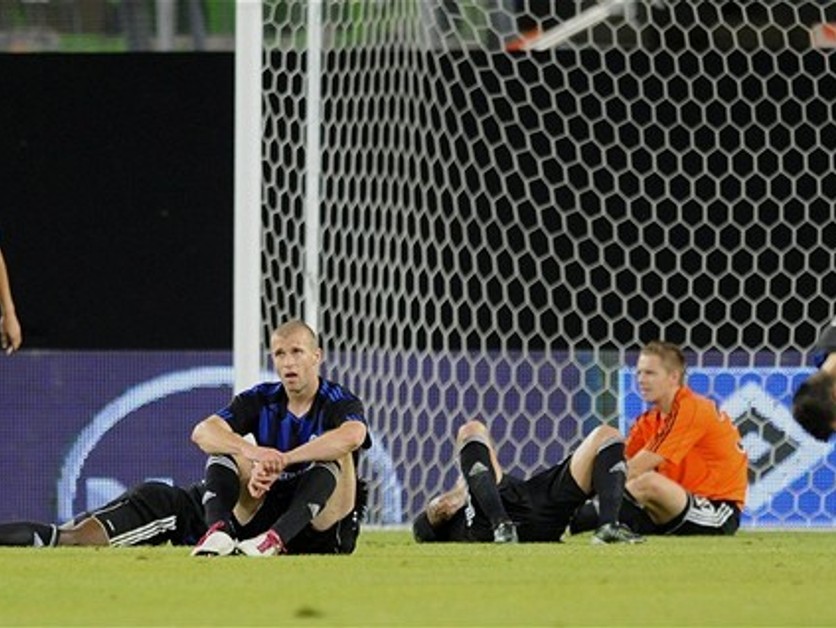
x=488, y=504
x=151, y=513
x=303, y=486
x=814, y=403
x=686, y=467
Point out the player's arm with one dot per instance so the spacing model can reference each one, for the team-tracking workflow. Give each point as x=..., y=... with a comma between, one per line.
x=442, y=507
x=332, y=445
x=642, y=462
x=10, y=333
x=429, y=526
x=214, y=435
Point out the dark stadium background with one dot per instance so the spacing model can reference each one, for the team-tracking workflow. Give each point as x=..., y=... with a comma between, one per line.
x=116, y=212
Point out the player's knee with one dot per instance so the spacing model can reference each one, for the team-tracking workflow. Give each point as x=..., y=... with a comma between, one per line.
x=646, y=487
x=332, y=466
x=603, y=434
x=472, y=430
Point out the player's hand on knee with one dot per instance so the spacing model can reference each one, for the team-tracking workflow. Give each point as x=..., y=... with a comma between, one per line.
x=261, y=479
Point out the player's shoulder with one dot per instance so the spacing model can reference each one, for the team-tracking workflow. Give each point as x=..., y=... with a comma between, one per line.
x=687, y=399
x=266, y=391
x=333, y=392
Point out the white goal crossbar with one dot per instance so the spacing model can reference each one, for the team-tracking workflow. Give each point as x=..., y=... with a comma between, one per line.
x=584, y=20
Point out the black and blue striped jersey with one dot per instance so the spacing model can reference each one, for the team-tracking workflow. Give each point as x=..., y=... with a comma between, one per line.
x=262, y=411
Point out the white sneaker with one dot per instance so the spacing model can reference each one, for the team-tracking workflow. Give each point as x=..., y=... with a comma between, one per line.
x=215, y=542
x=267, y=544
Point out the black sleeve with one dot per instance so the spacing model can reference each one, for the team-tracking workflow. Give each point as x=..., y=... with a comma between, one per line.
x=348, y=410
x=242, y=414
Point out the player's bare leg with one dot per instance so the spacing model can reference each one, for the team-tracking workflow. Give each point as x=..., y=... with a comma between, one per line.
x=87, y=532
x=583, y=458
x=662, y=498
x=247, y=504
x=481, y=471
x=342, y=500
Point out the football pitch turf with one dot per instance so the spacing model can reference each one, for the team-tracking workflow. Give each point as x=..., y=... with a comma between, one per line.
x=755, y=578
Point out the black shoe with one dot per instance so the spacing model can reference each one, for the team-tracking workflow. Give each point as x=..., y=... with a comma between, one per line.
x=616, y=533
x=505, y=532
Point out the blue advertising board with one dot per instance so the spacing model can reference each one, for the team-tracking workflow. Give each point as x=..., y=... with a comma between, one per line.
x=79, y=427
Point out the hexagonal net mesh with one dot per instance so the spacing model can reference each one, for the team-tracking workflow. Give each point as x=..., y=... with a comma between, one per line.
x=501, y=230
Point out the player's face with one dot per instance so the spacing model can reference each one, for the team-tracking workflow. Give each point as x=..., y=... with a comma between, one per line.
x=656, y=383
x=296, y=360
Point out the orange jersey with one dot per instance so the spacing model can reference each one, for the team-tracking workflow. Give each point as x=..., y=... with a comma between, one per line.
x=701, y=447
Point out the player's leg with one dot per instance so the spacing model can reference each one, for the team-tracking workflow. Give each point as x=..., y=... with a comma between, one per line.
x=677, y=512
x=662, y=498
x=84, y=532
x=598, y=466
x=324, y=495
x=28, y=534
x=226, y=498
x=482, y=473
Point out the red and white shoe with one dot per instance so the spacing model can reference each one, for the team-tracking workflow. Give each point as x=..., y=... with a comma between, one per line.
x=267, y=544
x=216, y=542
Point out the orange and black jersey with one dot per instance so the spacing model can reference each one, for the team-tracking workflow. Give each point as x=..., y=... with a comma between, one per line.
x=700, y=446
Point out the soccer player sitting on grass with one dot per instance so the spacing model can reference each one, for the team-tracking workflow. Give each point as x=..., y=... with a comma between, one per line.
x=686, y=467
x=814, y=403
x=489, y=505
x=293, y=490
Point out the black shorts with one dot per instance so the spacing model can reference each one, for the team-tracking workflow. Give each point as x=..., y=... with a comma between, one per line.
x=340, y=538
x=152, y=513
x=541, y=506
x=702, y=516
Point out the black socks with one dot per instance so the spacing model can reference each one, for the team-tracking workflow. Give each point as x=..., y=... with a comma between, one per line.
x=222, y=490
x=609, y=473
x=28, y=534
x=481, y=480
x=315, y=488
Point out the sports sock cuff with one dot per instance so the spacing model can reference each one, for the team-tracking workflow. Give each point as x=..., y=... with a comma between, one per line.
x=223, y=460
x=614, y=440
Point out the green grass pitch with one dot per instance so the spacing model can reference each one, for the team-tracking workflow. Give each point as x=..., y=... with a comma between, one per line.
x=755, y=578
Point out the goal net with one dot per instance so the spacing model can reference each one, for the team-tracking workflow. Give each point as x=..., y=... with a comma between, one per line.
x=499, y=228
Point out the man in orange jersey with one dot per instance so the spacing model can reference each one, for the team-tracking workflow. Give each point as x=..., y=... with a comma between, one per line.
x=686, y=467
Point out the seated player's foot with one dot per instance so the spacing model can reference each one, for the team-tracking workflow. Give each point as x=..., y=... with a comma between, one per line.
x=216, y=542
x=616, y=533
x=267, y=544
x=505, y=532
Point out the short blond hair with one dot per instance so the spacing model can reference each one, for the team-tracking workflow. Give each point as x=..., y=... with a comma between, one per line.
x=672, y=357
x=293, y=326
